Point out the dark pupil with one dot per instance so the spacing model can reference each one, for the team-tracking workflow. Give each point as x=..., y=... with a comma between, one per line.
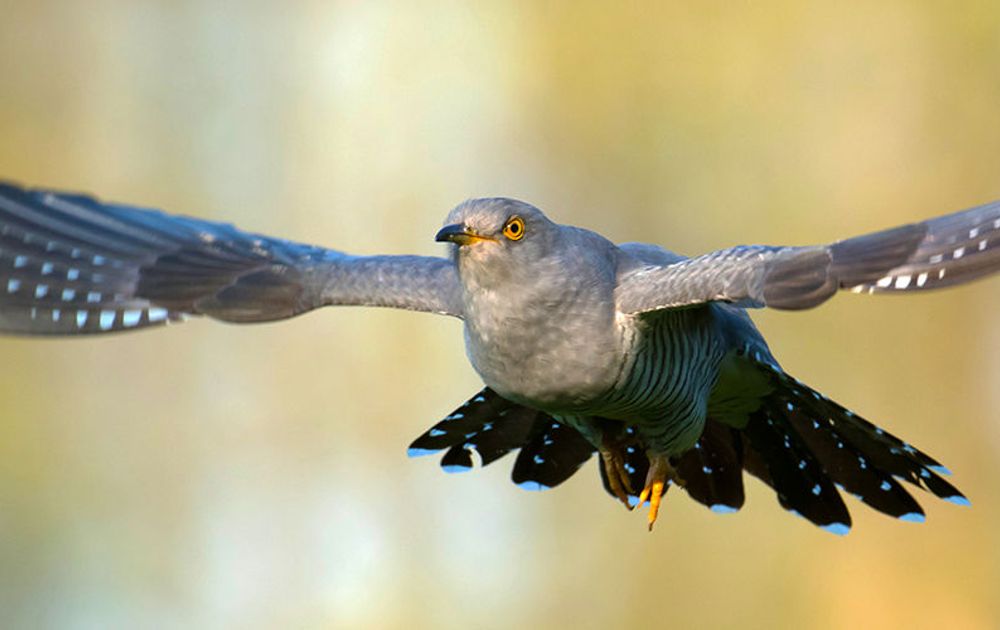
x=515, y=228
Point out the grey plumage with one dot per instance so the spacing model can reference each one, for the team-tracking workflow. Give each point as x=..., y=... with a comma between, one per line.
x=641, y=354
x=72, y=265
x=931, y=254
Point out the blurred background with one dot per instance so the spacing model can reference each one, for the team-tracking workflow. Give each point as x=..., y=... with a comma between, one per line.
x=219, y=476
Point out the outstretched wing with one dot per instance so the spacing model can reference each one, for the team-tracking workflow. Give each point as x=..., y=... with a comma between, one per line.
x=935, y=253
x=70, y=264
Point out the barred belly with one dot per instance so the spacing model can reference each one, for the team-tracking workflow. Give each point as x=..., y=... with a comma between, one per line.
x=673, y=363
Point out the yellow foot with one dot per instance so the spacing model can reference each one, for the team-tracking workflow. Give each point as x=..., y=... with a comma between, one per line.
x=660, y=474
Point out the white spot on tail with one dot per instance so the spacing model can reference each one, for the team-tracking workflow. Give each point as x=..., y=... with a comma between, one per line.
x=72, y=273
x=721, y=508
x=107, y=320
x=418, y=452
x=922, y=279
x=840, y=529
x=68, y=294
x=131, y=318
x=935, y=259
x=533, y=486
x=20, y=261
x=157, y=314
x=13, y=285
x=47, y=268
x=884, y=282
x=81, y=319
x=41, y=291
x=902, y=282
x=983, y=243
x=958, y=253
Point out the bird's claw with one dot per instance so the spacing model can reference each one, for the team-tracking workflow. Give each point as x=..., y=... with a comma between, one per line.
x=614, y=468
x=660, y=474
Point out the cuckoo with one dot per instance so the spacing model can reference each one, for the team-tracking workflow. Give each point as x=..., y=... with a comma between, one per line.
x=644, y=357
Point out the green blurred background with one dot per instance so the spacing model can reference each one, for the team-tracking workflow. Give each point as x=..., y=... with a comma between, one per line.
x=219, y=476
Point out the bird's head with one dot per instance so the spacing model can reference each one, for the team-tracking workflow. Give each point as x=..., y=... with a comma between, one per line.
x=495, y=237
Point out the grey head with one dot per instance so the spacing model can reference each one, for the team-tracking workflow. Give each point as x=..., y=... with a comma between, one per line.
x=498, y=239
x=538, y=303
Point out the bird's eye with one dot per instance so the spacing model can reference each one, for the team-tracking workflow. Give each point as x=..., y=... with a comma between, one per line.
x=514, y=230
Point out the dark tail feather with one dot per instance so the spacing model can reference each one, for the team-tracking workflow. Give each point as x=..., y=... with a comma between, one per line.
x=473, y=424
x=493, y=426
x=550, y=452
x=848, y=465
x=553, y=454
x=800, y=442
x=713, y=470
x=794, y=472
x=803, y=445
x=874, y=446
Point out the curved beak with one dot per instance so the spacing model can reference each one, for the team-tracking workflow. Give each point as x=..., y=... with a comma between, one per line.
x=459, y=234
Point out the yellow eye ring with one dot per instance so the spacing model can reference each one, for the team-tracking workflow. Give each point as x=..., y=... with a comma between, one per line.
x=514, y=230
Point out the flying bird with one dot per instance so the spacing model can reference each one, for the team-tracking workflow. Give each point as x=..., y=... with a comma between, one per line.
x=645, y=357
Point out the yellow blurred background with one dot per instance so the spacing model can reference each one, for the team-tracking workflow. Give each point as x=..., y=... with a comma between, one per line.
x=217, y=476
